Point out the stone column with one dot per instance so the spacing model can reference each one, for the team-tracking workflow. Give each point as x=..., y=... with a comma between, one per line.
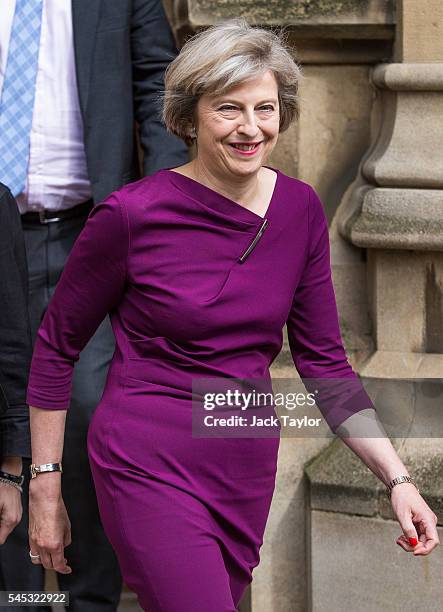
x=392, y=218
x=397, y=215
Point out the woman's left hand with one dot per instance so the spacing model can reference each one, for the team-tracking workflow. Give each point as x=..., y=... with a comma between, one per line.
x=416, y=519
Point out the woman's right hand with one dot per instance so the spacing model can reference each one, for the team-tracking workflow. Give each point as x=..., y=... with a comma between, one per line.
x=49, y=525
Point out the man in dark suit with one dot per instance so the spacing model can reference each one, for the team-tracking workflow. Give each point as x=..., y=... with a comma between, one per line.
x=79, y=83
x=15, y=356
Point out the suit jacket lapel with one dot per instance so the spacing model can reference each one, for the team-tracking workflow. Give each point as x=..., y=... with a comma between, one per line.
x=85, y=14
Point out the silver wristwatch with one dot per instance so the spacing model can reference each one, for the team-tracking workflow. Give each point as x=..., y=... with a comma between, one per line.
x=45, y=467
x=398, y=480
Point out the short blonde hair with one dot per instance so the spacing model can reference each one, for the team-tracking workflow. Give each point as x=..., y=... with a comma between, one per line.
x=219, y=58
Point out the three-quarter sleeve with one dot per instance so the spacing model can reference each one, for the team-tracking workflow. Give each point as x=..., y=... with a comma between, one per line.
x=314, y=332
x=91, y=286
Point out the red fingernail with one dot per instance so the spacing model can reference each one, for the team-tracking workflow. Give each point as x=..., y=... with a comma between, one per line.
x=413, y=541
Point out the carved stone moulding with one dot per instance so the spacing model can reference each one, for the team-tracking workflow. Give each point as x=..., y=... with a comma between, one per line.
x=373, y=15
x=400, y=219
x=322, y=31
x=401, y=205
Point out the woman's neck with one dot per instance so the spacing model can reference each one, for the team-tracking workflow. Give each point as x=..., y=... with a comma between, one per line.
x=242, y=189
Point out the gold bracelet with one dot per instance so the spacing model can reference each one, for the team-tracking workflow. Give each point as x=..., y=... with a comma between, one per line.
x=45, y=467
x=399, y=480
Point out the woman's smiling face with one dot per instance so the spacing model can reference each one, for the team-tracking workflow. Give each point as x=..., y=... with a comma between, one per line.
x=237, y=131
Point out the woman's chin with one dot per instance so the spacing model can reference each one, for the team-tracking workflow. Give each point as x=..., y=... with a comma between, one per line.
x=247, y=167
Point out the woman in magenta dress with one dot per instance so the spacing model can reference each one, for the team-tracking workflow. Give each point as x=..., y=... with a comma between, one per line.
x=200, y=268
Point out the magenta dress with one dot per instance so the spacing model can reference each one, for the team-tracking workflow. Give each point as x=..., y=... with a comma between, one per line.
x=185, y=515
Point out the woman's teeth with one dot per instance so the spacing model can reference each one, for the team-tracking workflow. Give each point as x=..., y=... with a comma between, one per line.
x=244, y=147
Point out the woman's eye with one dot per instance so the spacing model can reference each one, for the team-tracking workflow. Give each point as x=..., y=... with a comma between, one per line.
x=227, y=107
x=266, y=107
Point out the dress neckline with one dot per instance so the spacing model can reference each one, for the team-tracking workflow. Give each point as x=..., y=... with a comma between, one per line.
x=222, y=203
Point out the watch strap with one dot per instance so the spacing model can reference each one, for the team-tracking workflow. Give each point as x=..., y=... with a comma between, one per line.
x=12, y=478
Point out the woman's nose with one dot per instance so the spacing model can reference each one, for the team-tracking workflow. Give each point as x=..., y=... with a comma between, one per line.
x=248, y=124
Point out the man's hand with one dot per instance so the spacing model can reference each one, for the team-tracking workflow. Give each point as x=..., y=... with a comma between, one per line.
x=10, y=498
x=10, y=510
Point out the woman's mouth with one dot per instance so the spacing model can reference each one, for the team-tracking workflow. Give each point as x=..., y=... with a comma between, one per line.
x=245, y=148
